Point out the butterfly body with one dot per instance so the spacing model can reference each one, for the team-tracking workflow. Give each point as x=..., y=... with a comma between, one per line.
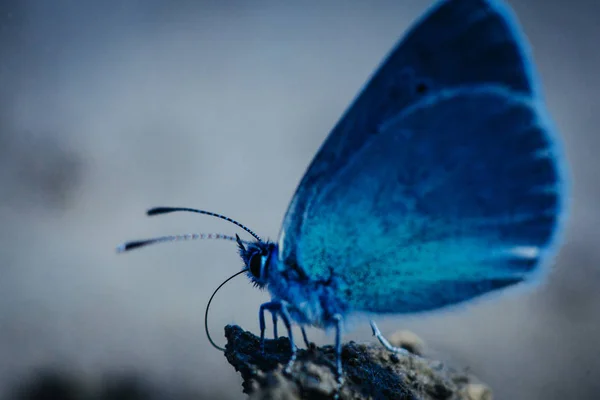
x=309, y=302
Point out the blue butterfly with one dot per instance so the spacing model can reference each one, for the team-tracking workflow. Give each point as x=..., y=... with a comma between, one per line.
x=444, y=181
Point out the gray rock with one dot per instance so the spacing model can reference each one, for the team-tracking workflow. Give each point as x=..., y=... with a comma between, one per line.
x=370, y=372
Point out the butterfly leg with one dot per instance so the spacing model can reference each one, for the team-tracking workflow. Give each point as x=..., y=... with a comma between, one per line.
x=285, y=317
x=273, y=307
x=385, y=342
x=274, y=315
x=306, y=342
x=280, y=308
x=339, y=373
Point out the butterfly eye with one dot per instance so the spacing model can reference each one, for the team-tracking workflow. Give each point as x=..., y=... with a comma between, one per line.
x=255, y=265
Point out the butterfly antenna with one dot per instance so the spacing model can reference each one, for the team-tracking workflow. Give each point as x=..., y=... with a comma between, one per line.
x=136, y=244
x=166, y=210
x=216, y=346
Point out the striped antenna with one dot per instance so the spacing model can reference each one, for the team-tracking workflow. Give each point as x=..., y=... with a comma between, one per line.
x=166, y=210
x=136, y=244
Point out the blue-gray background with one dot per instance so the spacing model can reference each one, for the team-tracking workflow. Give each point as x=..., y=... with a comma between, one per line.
x=108, y=108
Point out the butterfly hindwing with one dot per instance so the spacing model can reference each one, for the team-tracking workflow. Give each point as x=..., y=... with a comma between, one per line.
x=457, y=43
x=457, y=196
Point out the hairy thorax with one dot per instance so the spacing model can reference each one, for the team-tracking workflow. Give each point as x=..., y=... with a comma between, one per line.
x=309, y=302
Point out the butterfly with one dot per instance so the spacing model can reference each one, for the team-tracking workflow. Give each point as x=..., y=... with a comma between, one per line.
x=443, y=182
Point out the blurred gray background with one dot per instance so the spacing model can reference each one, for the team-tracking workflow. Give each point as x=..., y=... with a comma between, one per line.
x=109, y=108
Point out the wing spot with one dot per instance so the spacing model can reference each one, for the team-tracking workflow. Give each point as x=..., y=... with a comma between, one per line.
x=529, y=252
x=421, y=88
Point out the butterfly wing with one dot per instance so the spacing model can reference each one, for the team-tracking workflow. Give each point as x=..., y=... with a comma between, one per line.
x=458, y=196
x=440, y=182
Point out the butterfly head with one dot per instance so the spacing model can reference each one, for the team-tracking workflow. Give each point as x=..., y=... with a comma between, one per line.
x=256, y=257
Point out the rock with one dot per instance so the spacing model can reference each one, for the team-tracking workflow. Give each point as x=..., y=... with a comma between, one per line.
x=370, y=372
x=477, y=391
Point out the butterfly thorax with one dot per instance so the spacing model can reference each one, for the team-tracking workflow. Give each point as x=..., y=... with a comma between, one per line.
x=309, y=301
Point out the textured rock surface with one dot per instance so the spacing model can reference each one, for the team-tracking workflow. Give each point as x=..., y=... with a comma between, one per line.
x=370, y=372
